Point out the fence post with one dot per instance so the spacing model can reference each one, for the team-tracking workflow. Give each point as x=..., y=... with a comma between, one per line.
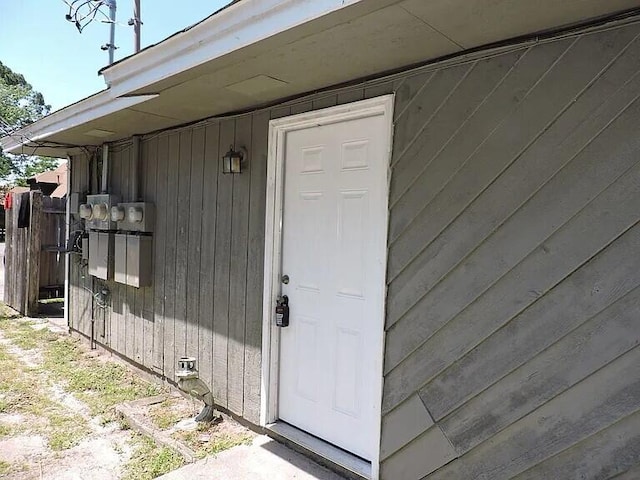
x=34, y=246
x=9, y=241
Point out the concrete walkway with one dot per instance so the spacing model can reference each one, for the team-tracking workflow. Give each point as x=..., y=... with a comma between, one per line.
x=264, y=459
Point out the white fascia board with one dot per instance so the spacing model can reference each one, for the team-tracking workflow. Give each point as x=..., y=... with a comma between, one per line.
x=92, y=108
x=238, y=26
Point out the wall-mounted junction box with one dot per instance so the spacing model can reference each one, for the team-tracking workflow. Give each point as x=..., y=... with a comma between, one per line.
x=101, y=246
x=97, y=211
x=133, y=259
x=134, y=216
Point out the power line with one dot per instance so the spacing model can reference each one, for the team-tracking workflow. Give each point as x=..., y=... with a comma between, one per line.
x=83, y=12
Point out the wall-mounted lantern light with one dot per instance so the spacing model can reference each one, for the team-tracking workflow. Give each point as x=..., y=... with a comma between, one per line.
x=232, y=160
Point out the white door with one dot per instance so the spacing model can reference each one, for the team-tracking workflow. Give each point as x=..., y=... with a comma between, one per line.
x=333, y=250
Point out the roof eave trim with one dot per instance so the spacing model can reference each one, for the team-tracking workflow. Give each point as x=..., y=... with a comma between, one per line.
x=77, y=114
x=242, y=24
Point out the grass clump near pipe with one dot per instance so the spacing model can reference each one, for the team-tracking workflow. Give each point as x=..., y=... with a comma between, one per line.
x=150, y=460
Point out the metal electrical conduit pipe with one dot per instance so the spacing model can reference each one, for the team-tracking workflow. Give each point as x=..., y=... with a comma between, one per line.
x=135, y=174
x=135, y=190
x=136, y=168
x=104, y=187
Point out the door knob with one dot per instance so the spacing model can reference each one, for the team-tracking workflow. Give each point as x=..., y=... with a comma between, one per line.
x=285, y=279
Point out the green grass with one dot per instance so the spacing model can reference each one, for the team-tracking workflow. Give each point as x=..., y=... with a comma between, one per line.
x=5, y=467
x=101, y=385
x=5, y=430
x=47, y=301
x=65, y=430
x=150, y=460
x=17, y=390
x=23, y=335
x=215, y=443
x=163, y=416
x=219, y=444
x=7, y=312
x=24, y=391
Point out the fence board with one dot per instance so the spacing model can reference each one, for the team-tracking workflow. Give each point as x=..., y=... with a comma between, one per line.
x=29, y=266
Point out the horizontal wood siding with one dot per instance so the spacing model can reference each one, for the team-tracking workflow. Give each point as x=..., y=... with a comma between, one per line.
x=513, y=275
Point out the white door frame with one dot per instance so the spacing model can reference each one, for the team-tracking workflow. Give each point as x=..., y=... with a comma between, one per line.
x=273, y=243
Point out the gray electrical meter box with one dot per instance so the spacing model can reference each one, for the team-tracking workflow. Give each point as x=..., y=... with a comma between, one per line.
x=97, y=211
x=120, y=258
x=101, y=245
x=134, y=216
x=133, y=257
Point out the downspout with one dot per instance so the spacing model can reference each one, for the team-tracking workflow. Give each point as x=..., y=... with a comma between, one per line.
x=135, y=174
x=92, y=341
x=67, y=221
x=104, y=188
x=105, y=168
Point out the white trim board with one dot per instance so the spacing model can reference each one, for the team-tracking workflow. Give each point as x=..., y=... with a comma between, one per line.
x=233, y=28
x=273, y=237
x=80, y=113
x=322, y=449
x=67, y=232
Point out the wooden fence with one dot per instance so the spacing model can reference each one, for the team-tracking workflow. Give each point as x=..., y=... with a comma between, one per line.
x=34, y=250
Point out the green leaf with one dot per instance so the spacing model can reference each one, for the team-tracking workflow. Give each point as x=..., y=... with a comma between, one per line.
x=20, y=105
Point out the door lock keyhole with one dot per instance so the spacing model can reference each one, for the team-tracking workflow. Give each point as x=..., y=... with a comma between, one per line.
x=285, y=279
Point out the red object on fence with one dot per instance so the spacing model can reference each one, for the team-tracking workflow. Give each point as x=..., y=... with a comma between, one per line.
x=8, y=200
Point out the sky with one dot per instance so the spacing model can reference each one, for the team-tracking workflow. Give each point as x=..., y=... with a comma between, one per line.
x=62, y=64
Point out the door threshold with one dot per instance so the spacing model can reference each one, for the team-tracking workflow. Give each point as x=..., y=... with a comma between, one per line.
x=324, y=453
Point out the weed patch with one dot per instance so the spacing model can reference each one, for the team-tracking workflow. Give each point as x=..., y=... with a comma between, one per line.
x=24, y=335
x=101, y=385
x=38, y=368
x=18, y=388
x=66, y=430
x=206, y=441
x=150, y=460
x=26, y=390
x=5, y=430
x=164, y=416
x=5, y=467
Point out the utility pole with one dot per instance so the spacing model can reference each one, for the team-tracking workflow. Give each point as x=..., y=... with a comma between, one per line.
x=85, y=13
x=112, y=34
x=136, y=25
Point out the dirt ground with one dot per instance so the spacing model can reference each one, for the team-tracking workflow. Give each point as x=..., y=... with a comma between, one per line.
x=58, y=417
